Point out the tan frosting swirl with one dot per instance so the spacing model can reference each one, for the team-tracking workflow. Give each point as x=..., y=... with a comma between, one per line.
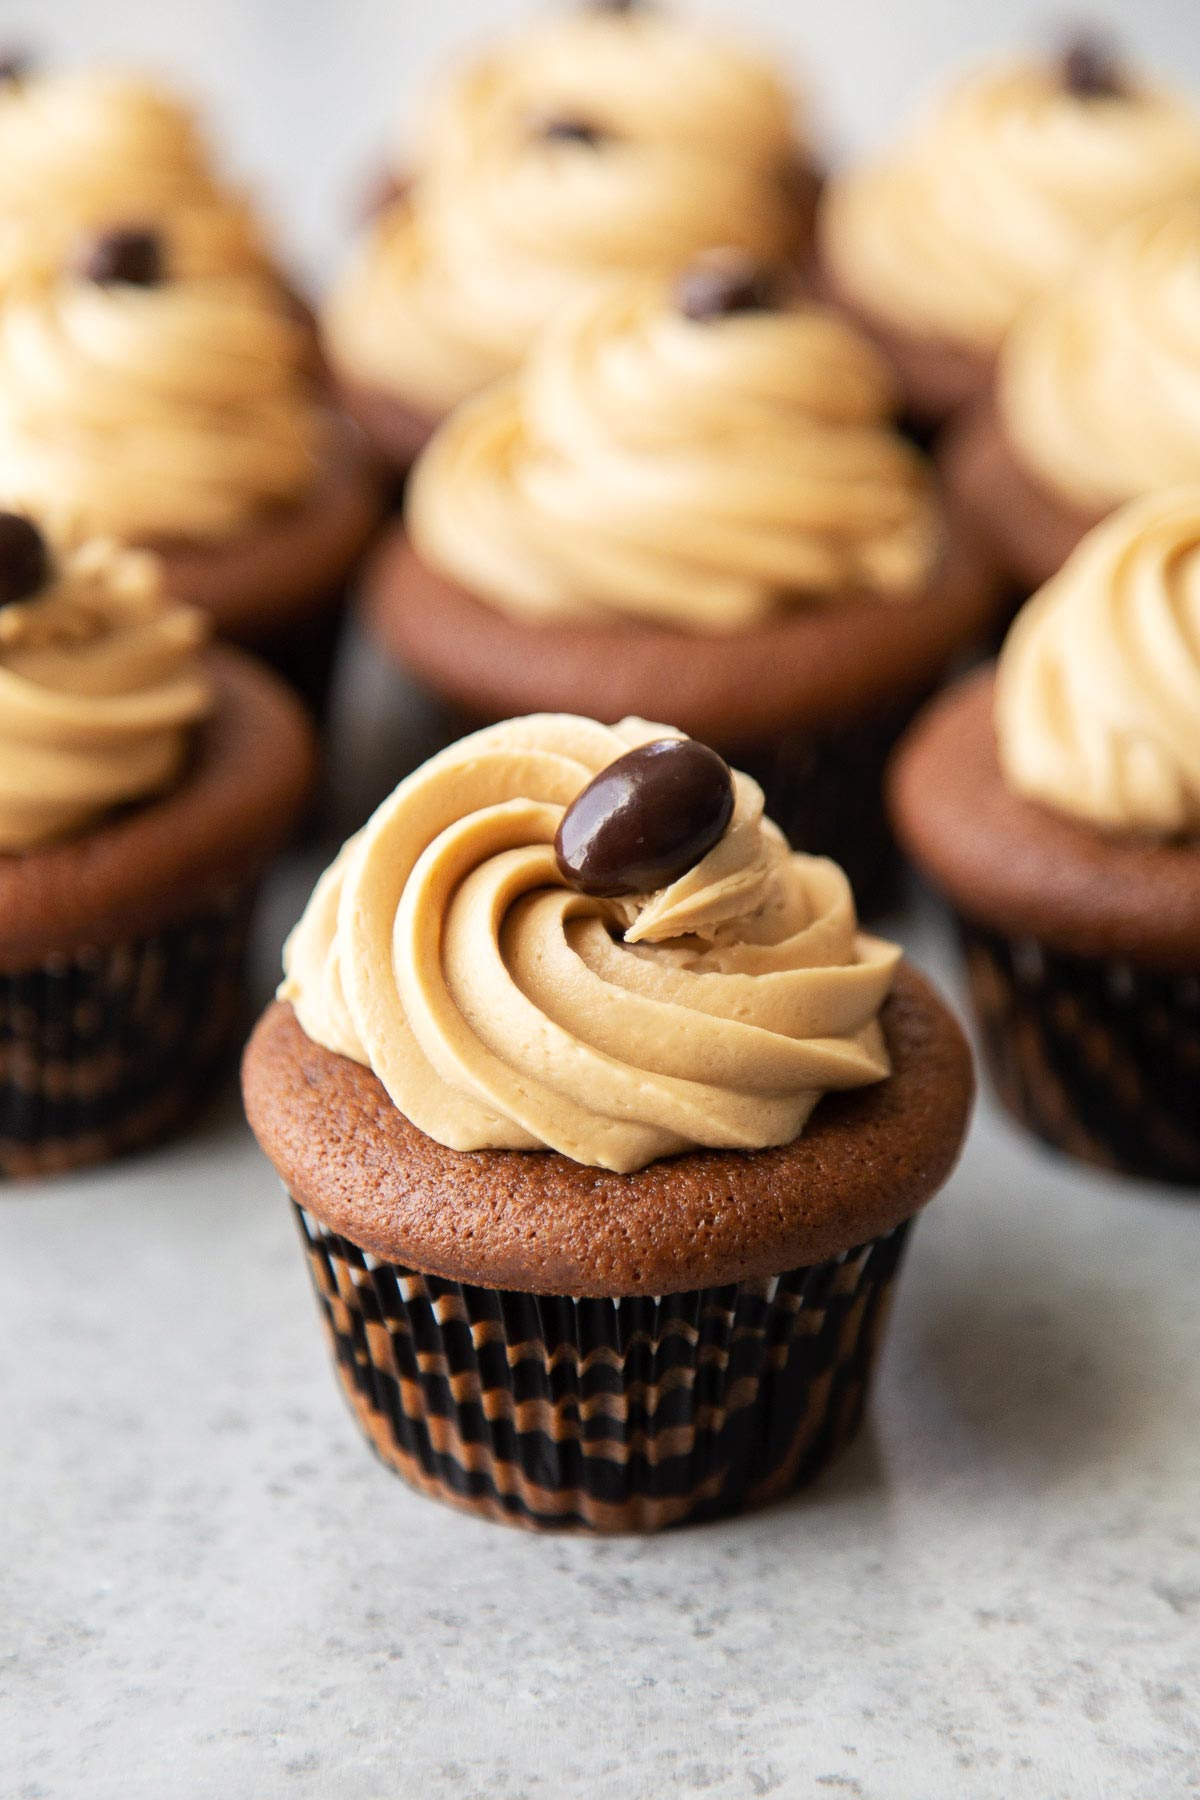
x=996, y=196
x=1099, y=383
x=502, y=1010
x=696, y=472
x=82, y=151
x=179, y=411
x=101, y=684
x=644, y=75
x=504, y=228
x=1098, y=692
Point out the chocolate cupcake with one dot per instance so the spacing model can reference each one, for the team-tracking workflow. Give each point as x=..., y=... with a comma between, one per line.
x=607, y=140
x=604, y=1127
x=145, y=783
x=1056, y=803
x=181, y=416
x=692, y=502
x=81, y=153
x=937, y=248
x=1097, y=399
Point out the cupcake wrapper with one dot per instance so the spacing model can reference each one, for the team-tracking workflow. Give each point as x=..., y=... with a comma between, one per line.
x=305, y=653
x=108, y=1049
x=603, y=1415
x=1099, y=1058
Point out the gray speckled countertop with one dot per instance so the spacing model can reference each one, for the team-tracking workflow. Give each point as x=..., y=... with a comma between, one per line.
x=209, y=1587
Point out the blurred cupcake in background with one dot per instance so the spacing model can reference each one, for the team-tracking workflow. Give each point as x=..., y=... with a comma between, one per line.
x=84, y=152
x=692, y=502
x=937, y=247
x=1097, y=399
x=181, y=415
x=145, y=784
x=1055, y=802
x=608, y=139
x=605, y=1127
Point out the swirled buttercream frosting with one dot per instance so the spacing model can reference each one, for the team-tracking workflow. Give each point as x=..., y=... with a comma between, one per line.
x=1098, y=692
x=641, y=74
x=1099, y=385
x=703, y=472
x=501, y=1009
x=80, y=152
x=175, y=412
x=101, y=685
x=605, y=145
x=994, y=198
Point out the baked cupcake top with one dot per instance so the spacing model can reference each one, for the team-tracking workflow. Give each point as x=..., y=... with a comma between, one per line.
x=1099, y=381
x=636, y=71
x=701, y=452
x=710, y=1000
x=1097, y=705
x=608, y=142
x=995, y=196
x=101, y=684
x=154, y=410
x=80, y=152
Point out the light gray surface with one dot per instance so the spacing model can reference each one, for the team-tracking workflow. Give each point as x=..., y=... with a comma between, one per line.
x=209, y=1588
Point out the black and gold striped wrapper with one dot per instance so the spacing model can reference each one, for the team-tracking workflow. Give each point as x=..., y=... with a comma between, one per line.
x=1100, y=1058
x=108, y=1049
x=603, y=1415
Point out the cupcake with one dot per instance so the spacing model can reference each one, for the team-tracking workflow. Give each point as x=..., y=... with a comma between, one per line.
x=604, y=1127
x=612, y=139
x=692, y=502
x=990, y=202
x=1055, y=801
x=80, y=153
x=1097, y=399
x=145, y=783
x=180, y=416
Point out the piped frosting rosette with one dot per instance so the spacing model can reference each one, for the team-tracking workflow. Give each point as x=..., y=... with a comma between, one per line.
x=451, y=286
x=180, y=411
x=1099, y=383
x=997, y=195
x=1098, y=691
x=101, y=685
x=639, y=73
x=502, y=1009
x=702, y=472
x=82, y=152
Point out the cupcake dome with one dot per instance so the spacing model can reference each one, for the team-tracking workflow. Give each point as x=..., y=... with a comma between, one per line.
x=995, y=197
x=605, y=142
x=80, y=152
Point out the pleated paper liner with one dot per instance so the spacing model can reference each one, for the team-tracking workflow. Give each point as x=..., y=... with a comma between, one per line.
x=604, y=1415
x=1099, y=1058
x=109, y=1049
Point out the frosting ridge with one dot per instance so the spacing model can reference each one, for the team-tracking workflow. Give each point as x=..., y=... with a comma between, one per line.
x=994, y=197
x=180, y=411
x=699, y=472
x=1097, y=702
x=501, y=1009
x=101, y=684
x=1099, y=381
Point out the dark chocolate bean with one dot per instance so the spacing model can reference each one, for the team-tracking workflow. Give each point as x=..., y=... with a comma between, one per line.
x=1091, y=70
x=572, y=131
x=645, y=819
x=24, y=563
x=720, y=286
x=127, y=253
x=15, y=65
